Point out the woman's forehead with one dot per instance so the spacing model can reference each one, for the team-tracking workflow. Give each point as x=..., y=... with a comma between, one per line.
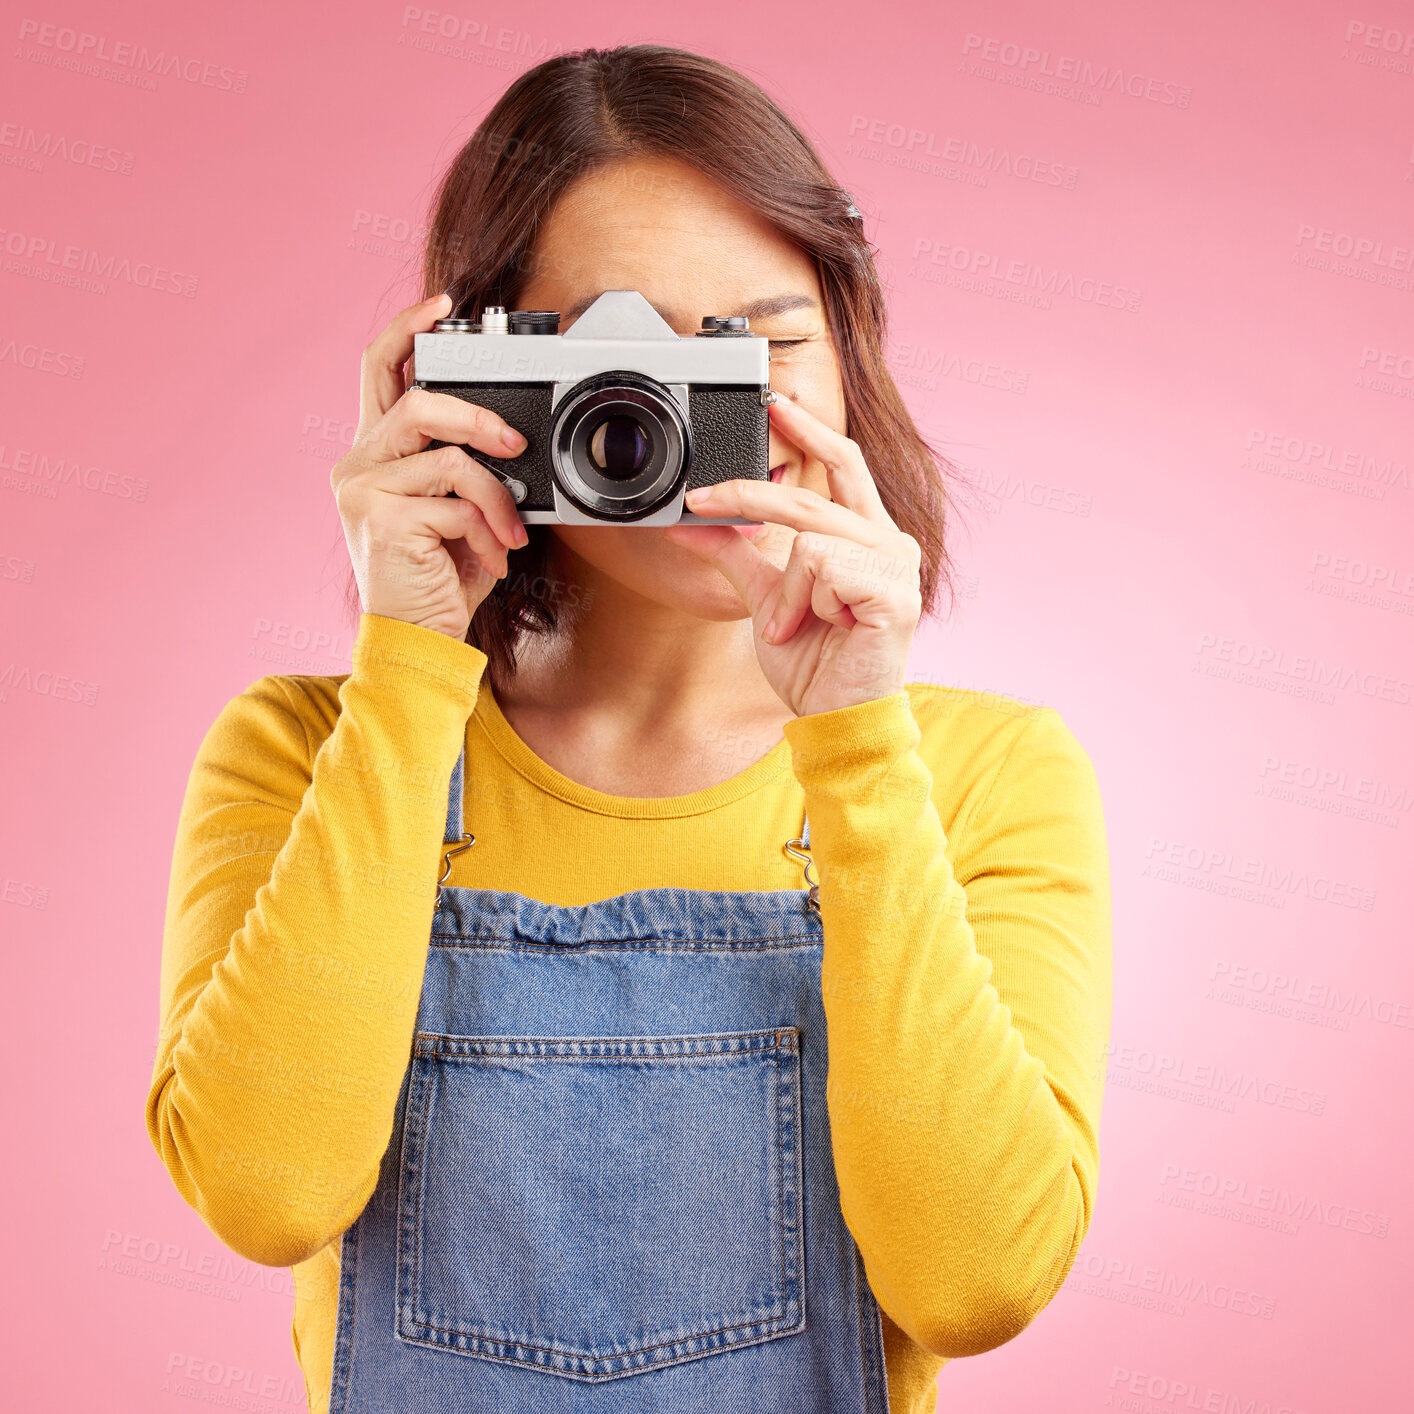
x=758, y=273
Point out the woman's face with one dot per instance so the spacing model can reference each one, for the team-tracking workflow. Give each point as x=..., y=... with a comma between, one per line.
x=659, y=226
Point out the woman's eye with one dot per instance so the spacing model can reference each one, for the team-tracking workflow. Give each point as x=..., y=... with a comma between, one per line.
x=786, y=343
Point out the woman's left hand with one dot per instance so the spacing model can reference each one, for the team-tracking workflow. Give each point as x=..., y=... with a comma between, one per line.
x=834, y=627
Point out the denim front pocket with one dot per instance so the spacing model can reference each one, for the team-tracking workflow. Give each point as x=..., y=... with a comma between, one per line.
x=601, y=1206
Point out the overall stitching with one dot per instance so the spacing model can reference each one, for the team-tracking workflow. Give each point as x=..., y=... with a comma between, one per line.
x=384, y=1263
x=431, y=1048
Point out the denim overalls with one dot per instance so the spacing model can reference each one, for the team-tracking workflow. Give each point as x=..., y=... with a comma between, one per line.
x=610, y=1184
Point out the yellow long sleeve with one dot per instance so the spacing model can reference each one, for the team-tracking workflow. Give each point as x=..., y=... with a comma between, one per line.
x=964, y=887
x=296, y=935
x=967, y=1010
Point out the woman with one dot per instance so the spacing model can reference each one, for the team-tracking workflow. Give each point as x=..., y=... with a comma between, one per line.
x=495, y=1000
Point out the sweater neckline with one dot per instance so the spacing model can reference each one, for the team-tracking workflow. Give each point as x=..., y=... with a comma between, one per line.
x=503, y=737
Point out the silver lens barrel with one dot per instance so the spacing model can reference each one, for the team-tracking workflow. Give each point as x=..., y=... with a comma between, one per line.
x=619, y=412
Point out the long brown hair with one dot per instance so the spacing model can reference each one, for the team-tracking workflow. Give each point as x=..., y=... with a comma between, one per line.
x=579, y=112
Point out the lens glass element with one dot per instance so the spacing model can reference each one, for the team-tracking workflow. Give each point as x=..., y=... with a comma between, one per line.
x=618, y=447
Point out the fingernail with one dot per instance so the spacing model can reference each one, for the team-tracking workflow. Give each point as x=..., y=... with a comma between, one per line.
x=697, y=495
x=522, y=538
x=770, y=630
x=437, y=299
x=513, y=439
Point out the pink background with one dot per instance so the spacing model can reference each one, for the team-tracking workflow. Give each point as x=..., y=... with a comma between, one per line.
x=1190, y=505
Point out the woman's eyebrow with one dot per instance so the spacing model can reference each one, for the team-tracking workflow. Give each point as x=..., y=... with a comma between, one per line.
x=765, y=308
x=776, y=304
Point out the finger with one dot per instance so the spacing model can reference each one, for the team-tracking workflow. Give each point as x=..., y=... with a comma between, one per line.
x=381, y=375
x=434, y=473
x=472, y=570
x=838, y=580
x=826, y=599
x=449, y=519
x=422, y=414
x=792, y=596
x=795, y=506
x=851, y=482
x=796, y=594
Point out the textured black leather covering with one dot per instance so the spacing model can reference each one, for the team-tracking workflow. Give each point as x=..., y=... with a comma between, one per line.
x=730, y=432
x=729, y=427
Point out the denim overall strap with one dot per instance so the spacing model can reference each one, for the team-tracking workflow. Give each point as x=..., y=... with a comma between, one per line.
x=609, y=1185
x=454, y=800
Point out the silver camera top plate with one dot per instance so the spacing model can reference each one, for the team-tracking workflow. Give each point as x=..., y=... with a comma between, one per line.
x=620, y=330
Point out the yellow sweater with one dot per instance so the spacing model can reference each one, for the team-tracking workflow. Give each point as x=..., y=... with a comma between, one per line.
x=960, y=848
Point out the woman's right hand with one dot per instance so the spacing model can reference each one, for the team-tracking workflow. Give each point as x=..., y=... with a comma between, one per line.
x=418, y=554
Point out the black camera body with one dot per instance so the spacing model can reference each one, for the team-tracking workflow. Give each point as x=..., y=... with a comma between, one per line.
x=621, y=415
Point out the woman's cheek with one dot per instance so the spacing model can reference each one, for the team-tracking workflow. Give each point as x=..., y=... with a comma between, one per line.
x=817, y=387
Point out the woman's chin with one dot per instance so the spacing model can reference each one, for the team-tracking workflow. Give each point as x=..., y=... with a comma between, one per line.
x=702, y=590
x=708, y=594
x=669, y=572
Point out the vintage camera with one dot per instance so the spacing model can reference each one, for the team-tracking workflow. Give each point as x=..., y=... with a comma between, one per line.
x=622, y=416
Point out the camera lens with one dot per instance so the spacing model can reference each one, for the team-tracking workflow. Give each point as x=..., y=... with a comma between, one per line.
x=619, y=444
x=618, y=447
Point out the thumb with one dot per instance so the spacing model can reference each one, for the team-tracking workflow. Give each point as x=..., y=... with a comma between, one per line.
x=743, y=566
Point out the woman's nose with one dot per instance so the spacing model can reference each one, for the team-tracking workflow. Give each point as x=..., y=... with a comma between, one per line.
x=779, y=450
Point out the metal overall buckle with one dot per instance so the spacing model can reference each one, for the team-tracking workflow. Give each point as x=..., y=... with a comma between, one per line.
x=468, y=841
x=814, y=900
